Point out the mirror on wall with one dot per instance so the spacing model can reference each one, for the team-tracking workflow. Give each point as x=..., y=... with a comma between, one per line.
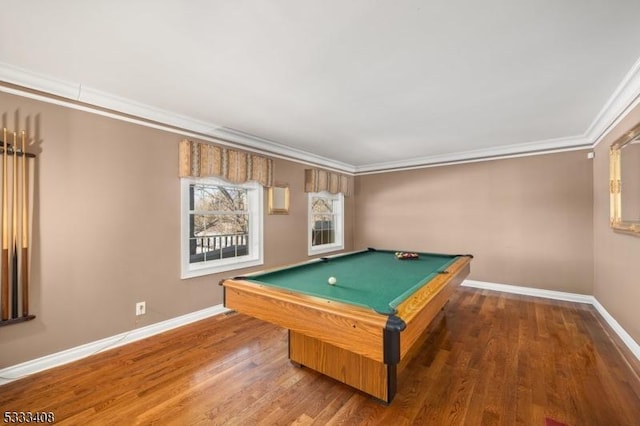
x=624, y=184
x=278, y=199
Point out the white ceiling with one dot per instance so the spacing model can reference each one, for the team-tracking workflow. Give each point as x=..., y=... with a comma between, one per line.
x=358, y=85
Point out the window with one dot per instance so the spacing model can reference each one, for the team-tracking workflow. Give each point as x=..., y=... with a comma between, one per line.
x=221, y=226
x=326, y=222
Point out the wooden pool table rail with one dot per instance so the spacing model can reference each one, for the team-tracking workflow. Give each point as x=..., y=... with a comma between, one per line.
x=350, y=327
x=419, y=310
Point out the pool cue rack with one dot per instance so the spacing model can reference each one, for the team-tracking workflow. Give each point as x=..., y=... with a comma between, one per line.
x=14, y=201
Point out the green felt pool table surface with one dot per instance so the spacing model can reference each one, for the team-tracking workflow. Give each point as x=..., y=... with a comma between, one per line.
x=374, y=279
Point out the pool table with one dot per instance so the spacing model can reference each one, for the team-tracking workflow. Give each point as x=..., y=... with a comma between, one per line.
x=359, y=329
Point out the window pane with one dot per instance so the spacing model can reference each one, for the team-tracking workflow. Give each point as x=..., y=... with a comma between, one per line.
x=323, y=221
x=192, y=190
x=226, y=238
x=203, y=225
x=202, y=198
x=221, y=226
x=222, y=233
x=323, y=229
x=237, y=199
x=326, y=222
x=216, y=198
x=321, y=205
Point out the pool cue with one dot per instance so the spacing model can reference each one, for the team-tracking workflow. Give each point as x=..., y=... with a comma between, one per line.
x=14, y=219
x=25, y=232
x=4, y=284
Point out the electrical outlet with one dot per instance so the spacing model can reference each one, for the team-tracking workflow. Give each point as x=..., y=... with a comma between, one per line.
x=141, y=308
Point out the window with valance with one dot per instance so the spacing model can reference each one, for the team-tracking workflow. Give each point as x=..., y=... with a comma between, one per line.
x=222, y=208
x=318, y=180
x=326, y=191
x=205, y=160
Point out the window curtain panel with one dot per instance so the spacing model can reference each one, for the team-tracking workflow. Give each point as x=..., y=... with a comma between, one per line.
x=206, y=160
x=317, y=180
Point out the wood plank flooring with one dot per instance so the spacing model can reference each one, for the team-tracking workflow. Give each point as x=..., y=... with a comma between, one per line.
x=488, y=359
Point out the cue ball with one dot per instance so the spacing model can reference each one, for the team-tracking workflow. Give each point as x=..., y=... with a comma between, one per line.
x=332, y=280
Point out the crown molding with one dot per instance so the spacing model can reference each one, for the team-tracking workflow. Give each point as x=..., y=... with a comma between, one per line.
x=620, y=103
x=22, y=77
x=90, y=96
x=92, y=100
x=624, y=98
x=496, y=153
x=278, y=148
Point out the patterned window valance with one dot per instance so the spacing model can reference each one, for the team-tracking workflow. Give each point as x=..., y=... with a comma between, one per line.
x=205, y=160
x=316, y=180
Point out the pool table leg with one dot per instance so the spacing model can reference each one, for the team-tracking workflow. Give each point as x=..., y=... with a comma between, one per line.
x=372, y=377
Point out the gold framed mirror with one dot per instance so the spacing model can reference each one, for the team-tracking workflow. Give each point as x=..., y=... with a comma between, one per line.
x=624, y=179
x=278, y=199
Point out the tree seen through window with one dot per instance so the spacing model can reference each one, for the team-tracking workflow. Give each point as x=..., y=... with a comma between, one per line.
x=219, y=222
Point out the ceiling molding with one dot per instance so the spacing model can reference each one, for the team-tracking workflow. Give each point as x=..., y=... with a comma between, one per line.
x=219, y=140
x=624, y=99
x=496, y=153
x=88, y=97
x=275, y=147
x=31, y=80
x=626, y=95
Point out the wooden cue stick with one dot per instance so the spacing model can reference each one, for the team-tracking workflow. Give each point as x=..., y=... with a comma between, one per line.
x=5, y=242
x=25, y=232
x=14, y=218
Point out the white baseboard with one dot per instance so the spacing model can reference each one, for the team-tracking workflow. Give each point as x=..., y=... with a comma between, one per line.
x=626, y=338
x=530, y=291
x=18, y=371
x=560, y=295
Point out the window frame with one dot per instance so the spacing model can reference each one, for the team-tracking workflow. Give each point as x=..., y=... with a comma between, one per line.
x=339, y=224
x=255, y=208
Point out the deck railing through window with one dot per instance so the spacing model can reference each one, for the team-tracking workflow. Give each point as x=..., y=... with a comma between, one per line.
x=212, y=247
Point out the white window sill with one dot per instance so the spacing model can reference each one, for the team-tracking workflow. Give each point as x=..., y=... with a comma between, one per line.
x=199, y=271
x=325, y=249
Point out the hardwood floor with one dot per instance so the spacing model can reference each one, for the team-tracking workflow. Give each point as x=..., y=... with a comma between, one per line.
x=488, y=359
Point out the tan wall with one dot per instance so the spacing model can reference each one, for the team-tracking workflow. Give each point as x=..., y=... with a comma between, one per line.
x=106, y=231
x=527, y=221
x=616, y=267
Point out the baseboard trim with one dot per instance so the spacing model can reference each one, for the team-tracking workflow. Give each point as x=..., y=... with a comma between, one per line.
x=569, y=297
x=530, y=291
x=19, y=371
x=617, y=328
